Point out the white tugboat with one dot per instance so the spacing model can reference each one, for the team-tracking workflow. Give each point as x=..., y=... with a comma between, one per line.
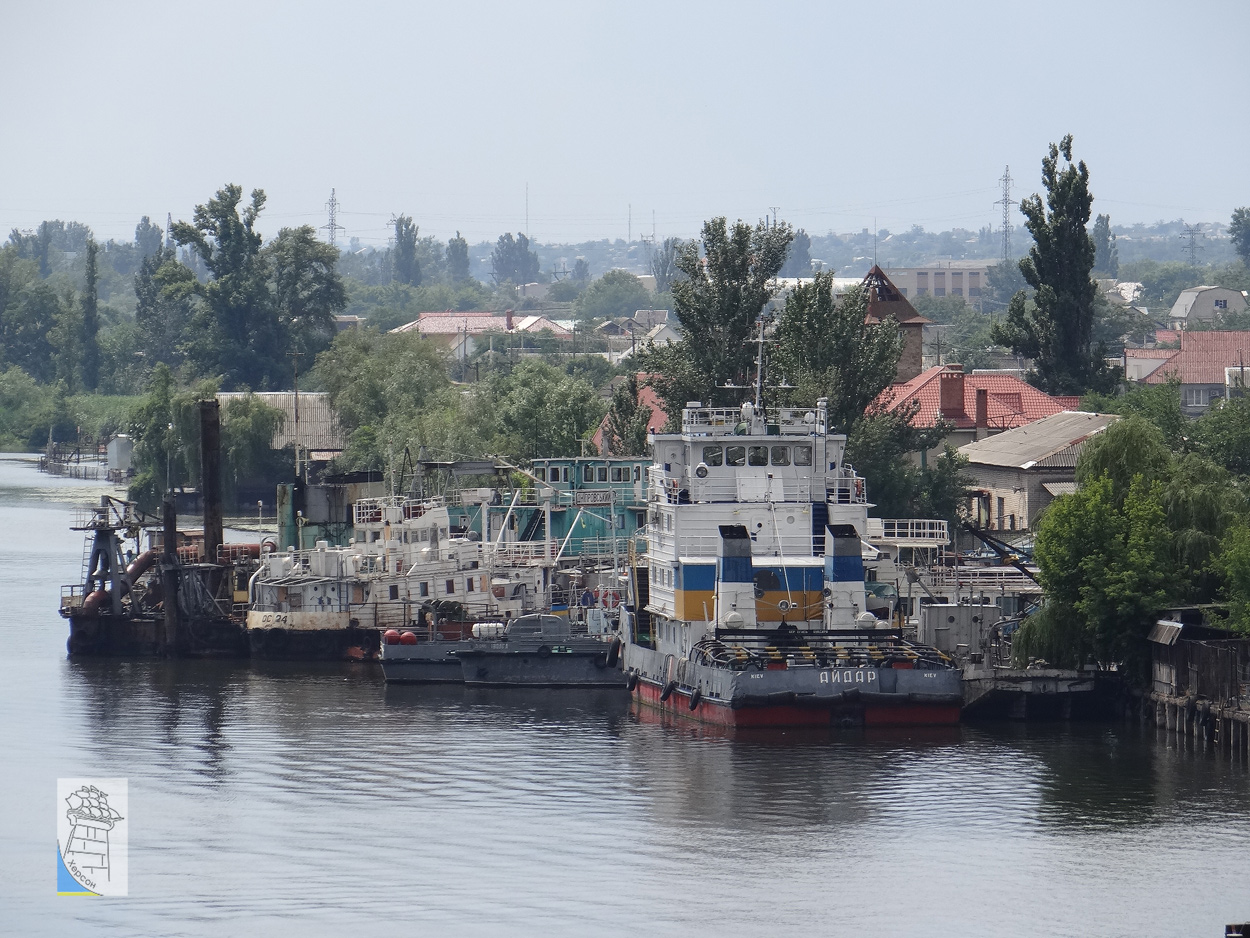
x=750, y=606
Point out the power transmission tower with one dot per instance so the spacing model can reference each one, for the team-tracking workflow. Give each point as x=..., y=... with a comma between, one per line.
x=1006, y=202
x=169, y=231
x=333, y=227
x=1192, y=233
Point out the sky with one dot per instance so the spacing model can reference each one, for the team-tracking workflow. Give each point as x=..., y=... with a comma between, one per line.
x=617, y=119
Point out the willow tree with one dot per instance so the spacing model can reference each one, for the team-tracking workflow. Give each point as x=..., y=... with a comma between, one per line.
x=1055, y=328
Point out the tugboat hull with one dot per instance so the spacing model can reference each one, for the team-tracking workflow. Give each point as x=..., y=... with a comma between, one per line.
x=304, y=637
x=544, y=666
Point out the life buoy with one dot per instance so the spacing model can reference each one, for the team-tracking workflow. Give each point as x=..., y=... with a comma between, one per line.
x=614, y=653
x=667, y=692
x=608, y=599
x=695, y=698
x=632, y=682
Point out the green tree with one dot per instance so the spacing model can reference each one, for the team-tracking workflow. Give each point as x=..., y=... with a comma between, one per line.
x=625, y=432
x=717, y=299
x=163, y=306
x=1106, y=574
x=1234, y=565
x=1106, y=257
x=799, y=257
x=404, y=265
x=616, y=293
x=1055, y=328
x=1002, y=282
x=825, y=347
x=306, y=292
x=90, y=341
x=1160, y=404
x=1239, y=232
x=664, y=263
x=148, y=237
x=581, y=271
x=512, y=261
x=29, y=312
x=1223, y=435
x=458, y=259
x=248, y=426
x=1126, y=450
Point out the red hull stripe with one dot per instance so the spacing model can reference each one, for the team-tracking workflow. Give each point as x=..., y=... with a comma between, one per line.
x=708, y=711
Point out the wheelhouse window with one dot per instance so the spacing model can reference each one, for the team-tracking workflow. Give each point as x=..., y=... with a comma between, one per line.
x=757, y=455
x=620, y=473
x=540, y=474
x=735, y=455
x=588, y=473
x=802, y=455
x=637, y=473
x=602, y=473
x=713, y=455
x=781, y=455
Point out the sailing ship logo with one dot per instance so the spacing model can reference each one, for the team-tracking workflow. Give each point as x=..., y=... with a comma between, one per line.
x=92, y=837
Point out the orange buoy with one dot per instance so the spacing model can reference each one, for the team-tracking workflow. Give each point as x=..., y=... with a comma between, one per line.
x=391, y=636
x=407, y=638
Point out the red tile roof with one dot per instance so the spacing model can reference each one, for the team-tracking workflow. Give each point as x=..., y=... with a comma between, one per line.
x=1150, y=352
x=1011, y=402
x=1202, y=358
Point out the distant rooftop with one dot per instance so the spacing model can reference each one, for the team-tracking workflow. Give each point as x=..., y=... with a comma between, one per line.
x=1054, y=442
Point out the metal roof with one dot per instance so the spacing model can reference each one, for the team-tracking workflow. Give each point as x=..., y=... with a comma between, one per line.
x=1053, y=442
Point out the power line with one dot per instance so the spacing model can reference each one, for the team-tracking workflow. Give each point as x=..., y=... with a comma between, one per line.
x=1006, y=202
x=1192, y=233
x=333, y=227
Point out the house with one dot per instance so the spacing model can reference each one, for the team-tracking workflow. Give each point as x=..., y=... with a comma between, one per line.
x=886, y=302
x=1140, y=363
x=1200, y=365
x=976, y=404
x=1021, y=471
x=1203, y=304
x=462, y=332
x=949, y=278
x=648, y=319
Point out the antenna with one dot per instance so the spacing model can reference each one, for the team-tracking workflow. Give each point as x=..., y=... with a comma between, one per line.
x=775, y=209
x=1006, y=202
x=169, y=231
x=1193, y=233
x=333, y=227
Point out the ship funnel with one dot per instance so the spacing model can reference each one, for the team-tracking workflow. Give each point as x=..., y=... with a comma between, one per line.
x=735, y=580
x=844, y=577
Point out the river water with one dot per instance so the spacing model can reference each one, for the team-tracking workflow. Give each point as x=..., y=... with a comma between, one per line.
x=314, y=800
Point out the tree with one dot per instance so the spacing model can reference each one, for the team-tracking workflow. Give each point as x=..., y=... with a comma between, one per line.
x=1106, y=257
x=1002, y=282
x=616, y=293
x=1223, y=433
x=512, y=261
x=90, y=342
x=458, y=259
x=1234, y=565
x=827, y=349
x=1126, y=450
x=581, y=271
x=799, y=257
x=163, y=292
x=1239, y=232
x=1055, y=328
x=148, y=237
x=664, y=263
x=307, y=293
x=1106, y=574
x=1160, y=404
x=404, y=267
x=625, y=432
x=237, y=309
x=718, y=300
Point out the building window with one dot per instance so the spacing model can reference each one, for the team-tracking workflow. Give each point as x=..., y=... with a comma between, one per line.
x=394, y=592
x=425, y=589
x=1011, y=522
x=1001, y=511
x=1221, y=304
x=451, y=587
x=939, y=291
x=468, y=584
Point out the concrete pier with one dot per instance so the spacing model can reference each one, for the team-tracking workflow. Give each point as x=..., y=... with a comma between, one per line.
x=1026, y=693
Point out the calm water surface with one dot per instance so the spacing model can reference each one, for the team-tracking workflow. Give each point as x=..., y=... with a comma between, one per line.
x=314, y=800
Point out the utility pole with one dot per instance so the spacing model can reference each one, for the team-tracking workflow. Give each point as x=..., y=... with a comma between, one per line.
x=1192, y=233
x=295, y=357
x=1006, y=202
x=775, y=209
x=333, y=227
x=169, y=231
x=527, y=211
x=629, y=230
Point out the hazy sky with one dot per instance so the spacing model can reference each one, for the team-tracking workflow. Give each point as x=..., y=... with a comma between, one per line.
x=838, y=113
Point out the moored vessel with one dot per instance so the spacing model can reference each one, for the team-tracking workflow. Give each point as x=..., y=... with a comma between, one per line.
x=750, y=607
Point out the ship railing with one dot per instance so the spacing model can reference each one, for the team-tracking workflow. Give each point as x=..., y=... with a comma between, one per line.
x=908, y=532
x=406, y=614
x=708, y=545
x=979, y=579
x=725, y=421
x=72, y=597
x=393, y=508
